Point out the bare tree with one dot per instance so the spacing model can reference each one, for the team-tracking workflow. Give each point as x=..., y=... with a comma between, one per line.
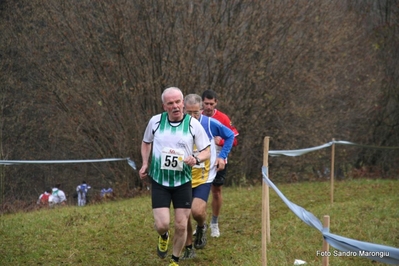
x=82, y=78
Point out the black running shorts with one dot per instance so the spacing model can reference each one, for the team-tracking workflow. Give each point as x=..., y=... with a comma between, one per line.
x=220, y=177
x=162, y=196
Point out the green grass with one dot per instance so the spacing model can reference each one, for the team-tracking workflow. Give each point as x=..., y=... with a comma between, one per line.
x=121, y=232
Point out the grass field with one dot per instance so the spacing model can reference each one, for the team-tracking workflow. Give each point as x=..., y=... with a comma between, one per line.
x=121, y=232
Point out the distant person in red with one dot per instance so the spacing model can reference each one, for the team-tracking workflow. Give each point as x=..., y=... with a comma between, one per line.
x=209, y=103
x=45, y=198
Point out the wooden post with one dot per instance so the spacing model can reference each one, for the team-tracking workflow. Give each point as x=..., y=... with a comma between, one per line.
x=265, y=205
x=332, y=172
x=326, y=246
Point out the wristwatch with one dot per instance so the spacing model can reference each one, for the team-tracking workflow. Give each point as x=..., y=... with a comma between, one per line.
x=197, y=160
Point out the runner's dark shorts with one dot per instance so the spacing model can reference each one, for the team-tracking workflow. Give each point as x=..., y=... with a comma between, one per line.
x=220, y=177
x=202, y=191
x=162, y=196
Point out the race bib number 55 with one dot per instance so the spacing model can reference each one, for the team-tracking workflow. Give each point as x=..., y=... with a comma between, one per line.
x=172, y=159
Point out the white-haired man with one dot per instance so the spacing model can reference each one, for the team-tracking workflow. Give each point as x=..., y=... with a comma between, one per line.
x=172, y=135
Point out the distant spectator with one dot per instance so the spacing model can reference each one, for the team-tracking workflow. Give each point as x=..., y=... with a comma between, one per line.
x=82, y=190
x=44, y=198
x=58, y=196
x=107, y=193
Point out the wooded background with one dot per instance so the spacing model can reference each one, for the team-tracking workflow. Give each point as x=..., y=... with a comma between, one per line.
x=81, y=79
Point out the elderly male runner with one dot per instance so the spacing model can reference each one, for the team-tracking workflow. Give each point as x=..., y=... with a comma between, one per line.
x=172, y=135
x=204, y=174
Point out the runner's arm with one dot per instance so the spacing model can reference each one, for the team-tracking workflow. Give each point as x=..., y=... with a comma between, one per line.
x=145, y=155
x=227, y=135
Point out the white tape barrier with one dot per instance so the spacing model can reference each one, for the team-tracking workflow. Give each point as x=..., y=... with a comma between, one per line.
x=16, y=162
x=300, y=152
x=349, y=247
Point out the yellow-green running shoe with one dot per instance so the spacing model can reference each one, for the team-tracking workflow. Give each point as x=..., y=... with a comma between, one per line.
x=173, y=263
x=162, y=247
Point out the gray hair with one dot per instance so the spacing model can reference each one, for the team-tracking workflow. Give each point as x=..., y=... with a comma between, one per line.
x=168, y=90
x=192, y=99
